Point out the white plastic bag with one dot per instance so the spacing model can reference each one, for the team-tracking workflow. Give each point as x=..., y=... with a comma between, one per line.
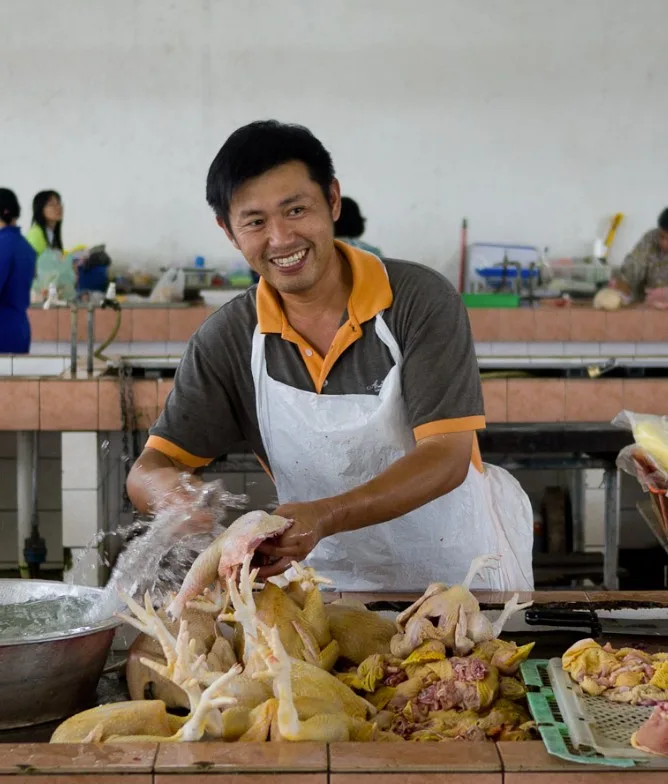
x=171, y=287
x=508, y=511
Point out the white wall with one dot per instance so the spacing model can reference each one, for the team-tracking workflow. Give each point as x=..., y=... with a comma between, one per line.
x=534, y=118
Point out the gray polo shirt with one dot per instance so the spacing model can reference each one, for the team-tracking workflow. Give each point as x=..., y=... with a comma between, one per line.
x=212, y=409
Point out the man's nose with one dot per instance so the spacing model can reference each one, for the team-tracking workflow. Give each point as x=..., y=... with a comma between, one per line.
x=280, y=233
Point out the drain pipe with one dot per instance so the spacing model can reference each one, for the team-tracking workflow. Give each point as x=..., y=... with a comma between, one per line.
x=30, y=545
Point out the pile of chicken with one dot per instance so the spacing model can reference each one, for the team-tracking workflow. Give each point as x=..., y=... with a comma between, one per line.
x=271, y=662
x=625, y=675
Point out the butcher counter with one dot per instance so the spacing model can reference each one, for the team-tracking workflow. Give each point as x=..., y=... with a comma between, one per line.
x=26, y=757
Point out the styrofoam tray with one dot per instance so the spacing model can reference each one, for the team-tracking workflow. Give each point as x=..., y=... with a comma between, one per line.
x=596, y=721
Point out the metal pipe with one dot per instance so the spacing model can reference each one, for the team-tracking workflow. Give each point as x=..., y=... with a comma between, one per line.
x=74, y=335
x=24, y=494
x=90, y=327
x=612, y=529
x=578, y=505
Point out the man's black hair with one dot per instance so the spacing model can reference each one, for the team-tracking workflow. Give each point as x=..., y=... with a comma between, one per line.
x=9, y=206
x=255, y=149
x=663, y=220
x=351, y=222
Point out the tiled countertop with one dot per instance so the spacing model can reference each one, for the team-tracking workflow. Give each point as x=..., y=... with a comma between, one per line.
x=544, y=324
x=454, y=762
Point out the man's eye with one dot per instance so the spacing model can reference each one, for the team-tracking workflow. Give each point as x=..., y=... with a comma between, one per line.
x=255, y=223
x=296, y=211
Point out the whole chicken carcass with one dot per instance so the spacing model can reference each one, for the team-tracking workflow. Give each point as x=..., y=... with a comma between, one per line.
x=226, y=553
x=452, y=615
x=359, y=632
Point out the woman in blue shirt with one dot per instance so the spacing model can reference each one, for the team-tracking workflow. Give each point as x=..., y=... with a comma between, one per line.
x=17, y=270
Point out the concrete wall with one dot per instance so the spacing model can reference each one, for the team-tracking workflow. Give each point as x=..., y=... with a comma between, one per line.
x=535, y=119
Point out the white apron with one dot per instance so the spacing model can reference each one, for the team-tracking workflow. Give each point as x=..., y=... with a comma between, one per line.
x=324, y=445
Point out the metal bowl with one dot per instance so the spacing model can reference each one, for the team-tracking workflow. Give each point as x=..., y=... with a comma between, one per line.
x=52, y=676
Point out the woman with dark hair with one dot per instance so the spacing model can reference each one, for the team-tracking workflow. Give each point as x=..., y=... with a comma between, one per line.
x=17, y=269
x=47, y=219
x=350, y=226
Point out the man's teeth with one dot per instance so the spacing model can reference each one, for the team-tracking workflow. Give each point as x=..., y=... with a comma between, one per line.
x=288, y=261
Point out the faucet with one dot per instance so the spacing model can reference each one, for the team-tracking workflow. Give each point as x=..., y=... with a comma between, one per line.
x=109, y=301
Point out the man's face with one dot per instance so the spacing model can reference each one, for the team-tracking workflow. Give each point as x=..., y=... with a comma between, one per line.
x=663, y=240
x=284, y=226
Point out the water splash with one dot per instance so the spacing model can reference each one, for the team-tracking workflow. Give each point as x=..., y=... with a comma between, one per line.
x=156, y=558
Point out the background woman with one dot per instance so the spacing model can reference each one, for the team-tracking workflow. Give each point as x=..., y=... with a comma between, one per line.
x=17, y=269
x=47, y=220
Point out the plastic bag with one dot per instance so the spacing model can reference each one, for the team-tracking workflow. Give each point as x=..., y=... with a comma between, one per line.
x=508, y=510
x=54, y=268
x=171, y=287
x=647, y=459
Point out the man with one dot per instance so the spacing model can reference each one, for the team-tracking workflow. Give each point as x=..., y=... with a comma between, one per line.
x=643, y=275
x=354, y=382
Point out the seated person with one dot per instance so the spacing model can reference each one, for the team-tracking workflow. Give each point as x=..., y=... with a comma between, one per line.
x=644, y=274
x=350, y=226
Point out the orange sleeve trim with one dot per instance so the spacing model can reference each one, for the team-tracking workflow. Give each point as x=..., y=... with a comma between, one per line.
x=176, y=453
x=443, y=426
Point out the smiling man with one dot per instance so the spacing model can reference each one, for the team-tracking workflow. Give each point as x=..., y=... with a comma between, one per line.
x=354, y=381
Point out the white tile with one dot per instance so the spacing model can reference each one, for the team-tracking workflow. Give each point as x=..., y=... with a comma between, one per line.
x=5, y=366
x=594, y=518
x=79, y=460
x=617, y=349
x=45, y=349
x=156, y=349
x=116, y=349
x=582, y=349
x=539, y=349
x=80, y=523
x=175, y=348
x=37, y=366
x=593, y=478
x=483, y=349
x=510, y=349
x=652, y=349
x=85, y=568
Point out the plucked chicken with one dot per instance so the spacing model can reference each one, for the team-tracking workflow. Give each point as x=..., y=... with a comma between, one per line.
x=260, y=663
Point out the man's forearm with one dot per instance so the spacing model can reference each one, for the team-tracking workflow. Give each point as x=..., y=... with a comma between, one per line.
x=153, y=479
x=435, y=467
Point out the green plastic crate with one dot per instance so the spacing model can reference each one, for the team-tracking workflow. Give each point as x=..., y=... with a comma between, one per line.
x=550, y=723
x=491, y=300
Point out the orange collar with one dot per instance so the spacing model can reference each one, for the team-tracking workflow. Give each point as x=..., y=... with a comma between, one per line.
x=371, y=292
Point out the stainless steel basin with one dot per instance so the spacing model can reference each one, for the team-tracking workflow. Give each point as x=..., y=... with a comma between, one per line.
x=52, y=676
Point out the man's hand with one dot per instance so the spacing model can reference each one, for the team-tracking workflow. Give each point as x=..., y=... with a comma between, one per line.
x=312, y=522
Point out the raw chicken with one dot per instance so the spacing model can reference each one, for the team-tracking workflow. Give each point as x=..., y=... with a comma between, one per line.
x=626, y=675
x=460, y=624
x=304, y=630
x=225, y=553
x=652, y=736
x=359, y=632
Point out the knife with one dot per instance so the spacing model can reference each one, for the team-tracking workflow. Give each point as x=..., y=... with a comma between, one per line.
x=597, y=626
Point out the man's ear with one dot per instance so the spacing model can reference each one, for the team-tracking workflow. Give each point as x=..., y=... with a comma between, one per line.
x=335, y=199
x=227, y=231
